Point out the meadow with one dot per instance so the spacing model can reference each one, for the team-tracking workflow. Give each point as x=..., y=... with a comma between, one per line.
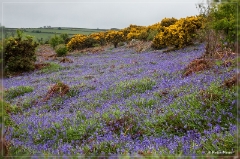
x=124, y=102
x=46, y=33
x=169, y=89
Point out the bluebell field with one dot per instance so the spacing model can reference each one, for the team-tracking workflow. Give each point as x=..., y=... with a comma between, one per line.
x=123, y=102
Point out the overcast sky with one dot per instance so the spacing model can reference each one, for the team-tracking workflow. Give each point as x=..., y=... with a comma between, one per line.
x=102, y=14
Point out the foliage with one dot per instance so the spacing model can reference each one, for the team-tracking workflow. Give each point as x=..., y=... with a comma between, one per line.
x=115, y=37
x=98, y=38
x=61, y=50
x=1, y=58
x=56, y=40
x=19, y=54
x=139, y=108
x=166, y=22
x=225, y=19
x=5, y=110
x=127, y=88
x=17, y=91
x=179, y=35
x=220, y=26
x=187, y=110
x=51, y=67
x=152, y=34
x=65, y=37
x=77, y=42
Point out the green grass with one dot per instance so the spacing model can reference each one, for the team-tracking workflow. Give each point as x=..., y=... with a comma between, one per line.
x=47, y=33
x=17, y=91
x=190, y=109
x=52, y=67
x=130, y=87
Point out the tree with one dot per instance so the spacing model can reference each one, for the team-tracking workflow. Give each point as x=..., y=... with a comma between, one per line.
x=225, y=19
x=220, y=26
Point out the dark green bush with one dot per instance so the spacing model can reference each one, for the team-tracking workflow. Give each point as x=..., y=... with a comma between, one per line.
x=19, y=54
x=61, y=50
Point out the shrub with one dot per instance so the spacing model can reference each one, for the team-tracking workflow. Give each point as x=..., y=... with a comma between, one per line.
x=65, y=37
x=61, y=50
x=19, y=54
x=98, y=38
x=156, y=27
x=220, y=26
x=152, y=34
x=114, y=37
x=179, y=35
x=225, y=19
x=5, y=108
x=166, y=22
x=1, y=59
x=77, y=42
x=135, y=32
x=56, y=40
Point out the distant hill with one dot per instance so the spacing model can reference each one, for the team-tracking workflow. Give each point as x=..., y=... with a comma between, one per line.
x=47, y=33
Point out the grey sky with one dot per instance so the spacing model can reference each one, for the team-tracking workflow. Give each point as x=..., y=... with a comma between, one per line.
x=102, y=14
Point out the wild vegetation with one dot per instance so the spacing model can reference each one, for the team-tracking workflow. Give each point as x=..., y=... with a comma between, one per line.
x=168, y=89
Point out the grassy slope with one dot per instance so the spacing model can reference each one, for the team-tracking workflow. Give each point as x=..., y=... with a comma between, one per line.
x=144, y=94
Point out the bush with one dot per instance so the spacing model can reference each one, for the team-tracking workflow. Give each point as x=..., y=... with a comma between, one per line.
x=65, y=38
x=56, y=40
x=179, y=35
x=77, y=42
x=225, y=19
x=166, y=22
x=61, y=50
x=115, y=37
x=19, y=54
x=98, y=38
x=152, y=34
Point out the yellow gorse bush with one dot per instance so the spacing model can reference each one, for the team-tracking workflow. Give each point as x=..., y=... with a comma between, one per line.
x=168, y=32
x=99, y=38
x=166, y=22
x=140, y=33
x=114, y=37
x=179, y=34
x=77, y=42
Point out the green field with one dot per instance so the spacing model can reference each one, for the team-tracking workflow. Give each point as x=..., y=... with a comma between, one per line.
x=47, y=33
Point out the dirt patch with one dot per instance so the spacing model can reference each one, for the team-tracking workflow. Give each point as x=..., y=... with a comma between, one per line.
x=233, y=81
x=139, y=46
x=66, y=60
x=45, y=52
x=197, y=65
x=59, y=89
x=40, y=66
x=93, y=50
